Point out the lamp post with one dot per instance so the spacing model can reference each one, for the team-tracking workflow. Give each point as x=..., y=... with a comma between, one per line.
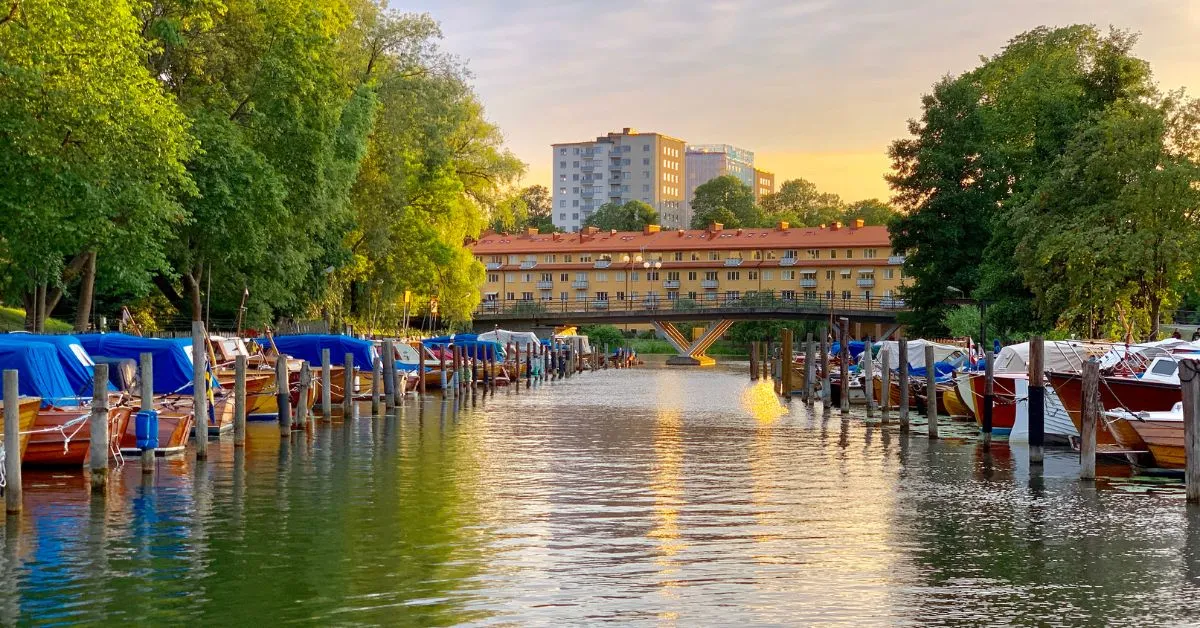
x=656, y=264
x=628, y=269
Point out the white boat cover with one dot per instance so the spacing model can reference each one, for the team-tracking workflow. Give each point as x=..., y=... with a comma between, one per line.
x=1060, y=356
x=916, y=353
x=587, y=347
x=1147, y=351
x=503, y=336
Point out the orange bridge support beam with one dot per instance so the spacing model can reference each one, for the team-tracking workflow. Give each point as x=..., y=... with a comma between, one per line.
x=691, y=353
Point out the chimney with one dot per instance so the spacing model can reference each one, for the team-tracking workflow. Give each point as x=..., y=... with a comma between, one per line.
x=592, y=230
x=822, y=226
x=556, y=236
x=715, y=226
x=649, y=229
x=612, y=232
x=782, y=225
x=531, y=231
x=681, y=232
x=739, y=231
x=858, y=223
x=835, y=226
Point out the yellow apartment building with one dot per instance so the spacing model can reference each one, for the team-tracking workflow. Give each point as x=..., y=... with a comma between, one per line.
x=593, y=269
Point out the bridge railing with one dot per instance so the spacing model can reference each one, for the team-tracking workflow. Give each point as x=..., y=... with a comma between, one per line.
x=532, y=308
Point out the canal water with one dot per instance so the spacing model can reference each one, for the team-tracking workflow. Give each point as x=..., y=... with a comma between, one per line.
x=649, y=495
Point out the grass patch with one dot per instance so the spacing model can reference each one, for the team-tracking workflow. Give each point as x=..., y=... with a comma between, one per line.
x=13, y=319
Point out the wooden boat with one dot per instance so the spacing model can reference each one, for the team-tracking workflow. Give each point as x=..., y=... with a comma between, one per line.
x=954, y=404
x=1129, y=393
x=175, y=421
x=62, y=436
x=1162, y=433
x=28, y=411
x=1004, y=402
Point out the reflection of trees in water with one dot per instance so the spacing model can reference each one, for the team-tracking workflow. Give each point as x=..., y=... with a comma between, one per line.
x=998, y=549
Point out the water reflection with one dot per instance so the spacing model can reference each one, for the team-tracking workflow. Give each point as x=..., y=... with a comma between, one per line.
x=688, y=496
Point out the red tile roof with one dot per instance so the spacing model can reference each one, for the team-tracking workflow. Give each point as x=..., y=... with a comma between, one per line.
x=683, y=240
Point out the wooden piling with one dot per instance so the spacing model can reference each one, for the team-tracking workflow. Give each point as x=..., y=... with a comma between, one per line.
x=12, y=441
x=989, y=397
x=98, y=423
x=810, y=369
x=1189, y=379
x=420, y=374
x=517, y=365
x=754, y=360
x=376, y=382
x=903, y=381
x=302, y=417
x=283, y=396
x=389, y=372
x=931, y=392
x=885, y=384
x=1037, y=400
x=785, y=363
x=326, y=385
x=826, y=385
x=529, y=364
x=869, y=379
x=146, y=378
x=446, y=378
x=239, y=401
x=845, y=365
x=348, y=379
x=1089, y=418
x=199, y=389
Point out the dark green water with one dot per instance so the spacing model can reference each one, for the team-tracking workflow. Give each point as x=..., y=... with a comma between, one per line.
x=648, y=495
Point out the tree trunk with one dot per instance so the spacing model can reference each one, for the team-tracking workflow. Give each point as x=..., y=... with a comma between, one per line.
x=1155, y=313
x=83, y=313
x=192, y=281
x=29, y=300
x=42, y=314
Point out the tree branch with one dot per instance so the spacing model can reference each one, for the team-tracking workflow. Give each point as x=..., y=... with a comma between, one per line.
x=12, y=12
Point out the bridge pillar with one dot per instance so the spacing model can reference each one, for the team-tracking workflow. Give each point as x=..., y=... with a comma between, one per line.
x=691, y=353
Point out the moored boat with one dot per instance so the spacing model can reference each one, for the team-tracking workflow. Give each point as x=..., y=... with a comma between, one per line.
x=1162, y=433
x=27, y=407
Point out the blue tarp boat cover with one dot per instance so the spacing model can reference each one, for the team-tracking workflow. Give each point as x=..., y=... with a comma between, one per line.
x=172, y=357
x=475, y=347
x=942, y=371
x=39, y=372
x=856, y=348
x=74, y=359
x=308, y=347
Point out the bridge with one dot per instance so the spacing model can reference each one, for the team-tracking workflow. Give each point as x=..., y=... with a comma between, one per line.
x=723, y=310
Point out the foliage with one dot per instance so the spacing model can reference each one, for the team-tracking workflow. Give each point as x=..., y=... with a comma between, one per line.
x=631, y=216
x=528, y=207
x=872, y=211
x=726, y=200
x=986, y=142
x=801, y=204
x=744, y=332
x=963, y=320
x=601, y=335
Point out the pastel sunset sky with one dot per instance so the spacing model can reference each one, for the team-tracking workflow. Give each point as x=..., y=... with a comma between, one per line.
x=816, y=88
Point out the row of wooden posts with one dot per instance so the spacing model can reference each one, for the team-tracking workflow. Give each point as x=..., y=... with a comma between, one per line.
x=468, y=364
x=764, y=363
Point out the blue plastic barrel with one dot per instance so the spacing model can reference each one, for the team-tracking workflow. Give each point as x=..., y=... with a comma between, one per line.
x=146, y=426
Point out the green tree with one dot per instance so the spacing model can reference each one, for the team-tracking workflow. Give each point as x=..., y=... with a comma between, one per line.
x=91, y=152
x=631, y=216
x=1110, y=238
x=525, y=208
x=871, y=211
x=800, y=203
x=726, y=200
x=601, y=335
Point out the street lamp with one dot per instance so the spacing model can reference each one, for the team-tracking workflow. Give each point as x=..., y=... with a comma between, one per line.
x=656, y=264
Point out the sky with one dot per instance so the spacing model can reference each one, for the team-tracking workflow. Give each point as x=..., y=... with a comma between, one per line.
x=816, y=88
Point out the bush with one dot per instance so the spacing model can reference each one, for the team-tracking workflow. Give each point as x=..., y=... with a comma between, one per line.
x=600, y=335
x=649, y=334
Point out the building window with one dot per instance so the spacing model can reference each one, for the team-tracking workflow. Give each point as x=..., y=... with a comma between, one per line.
x=562, y=296
x=692, y=295
x=788, y=295
x=493, y=277
x=814, y=254
x=710, y=275
x=585, y=258
x=547, y=276
x=621, y=295
x=768, y=275
x=575, y=177
x=625, y=175
x=575, y=216
x=829, y=275
x=601, y=277
x=678, y=256
x=575, y=203
x=511, y=296
x=564, y=277
x=526, y=296
x=887, y=273
x=646, y=162
x=673, y=275
x=625, y=162
x=849, y=253
x=562, y=203
x=752, y=275
x=562, y=151
x=567, y=259
x=845, y=274
x=832, y=253
x=846, y=295
x=652, y=275
x=691, y=275
x=510, y=277
x=575, y=164
x=787, y=275
x=633, y=276
x=713, y=256
x=645, y=148
x=869, y=253
x=601, y=296
x=733, y=275
x=562, y=216
x=562, y=164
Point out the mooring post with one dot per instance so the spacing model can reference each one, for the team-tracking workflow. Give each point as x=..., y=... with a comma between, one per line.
x=376, y=382
x=326, y=386
x=989, y=398
x=810, y=369
x=442, y=369
x=845, y=365
x=283, y=397
x=1089, y=419
x=931, y=392
x=420, y=375
x=239, y=400
x=517, y=364
x=12, y=441
x=348, y=382
x=885, y=384
x=869, y=378
x=785, y=363
x=98, y=423
x=754, y=360
x=302, y=398
x=199, y=389
x=826, y=385
x=1189, y=378
x=1037, y=400
x=146, y=364
x=529, y=365
x=389, y=372
x=903, y=381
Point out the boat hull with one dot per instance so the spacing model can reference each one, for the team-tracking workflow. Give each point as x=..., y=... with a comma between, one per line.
x=70, y=445
x=175, y=421
x=1131, y=394
x=1164, y=439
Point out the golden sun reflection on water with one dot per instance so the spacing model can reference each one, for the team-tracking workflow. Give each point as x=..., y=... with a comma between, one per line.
x=762, y=403
x=667, y=488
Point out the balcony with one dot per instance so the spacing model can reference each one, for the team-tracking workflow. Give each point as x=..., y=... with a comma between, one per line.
x=671, y=284
x=580, y=284
x=602, y=263
x=494, y=265
x=895, y=260
x=587, y=191
x=708, y=284
x=808, y=283
x=733, y=261
x=527, y=264
x=787, y=261
x=601, y=304
x=865, y=282
x=545, y=285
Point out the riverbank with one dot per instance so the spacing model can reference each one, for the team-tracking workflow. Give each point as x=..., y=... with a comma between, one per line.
x=13, y=319
x=657, y=346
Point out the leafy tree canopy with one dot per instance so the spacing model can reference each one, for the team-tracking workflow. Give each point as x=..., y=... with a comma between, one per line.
x=631, y=216
x=726, y=200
